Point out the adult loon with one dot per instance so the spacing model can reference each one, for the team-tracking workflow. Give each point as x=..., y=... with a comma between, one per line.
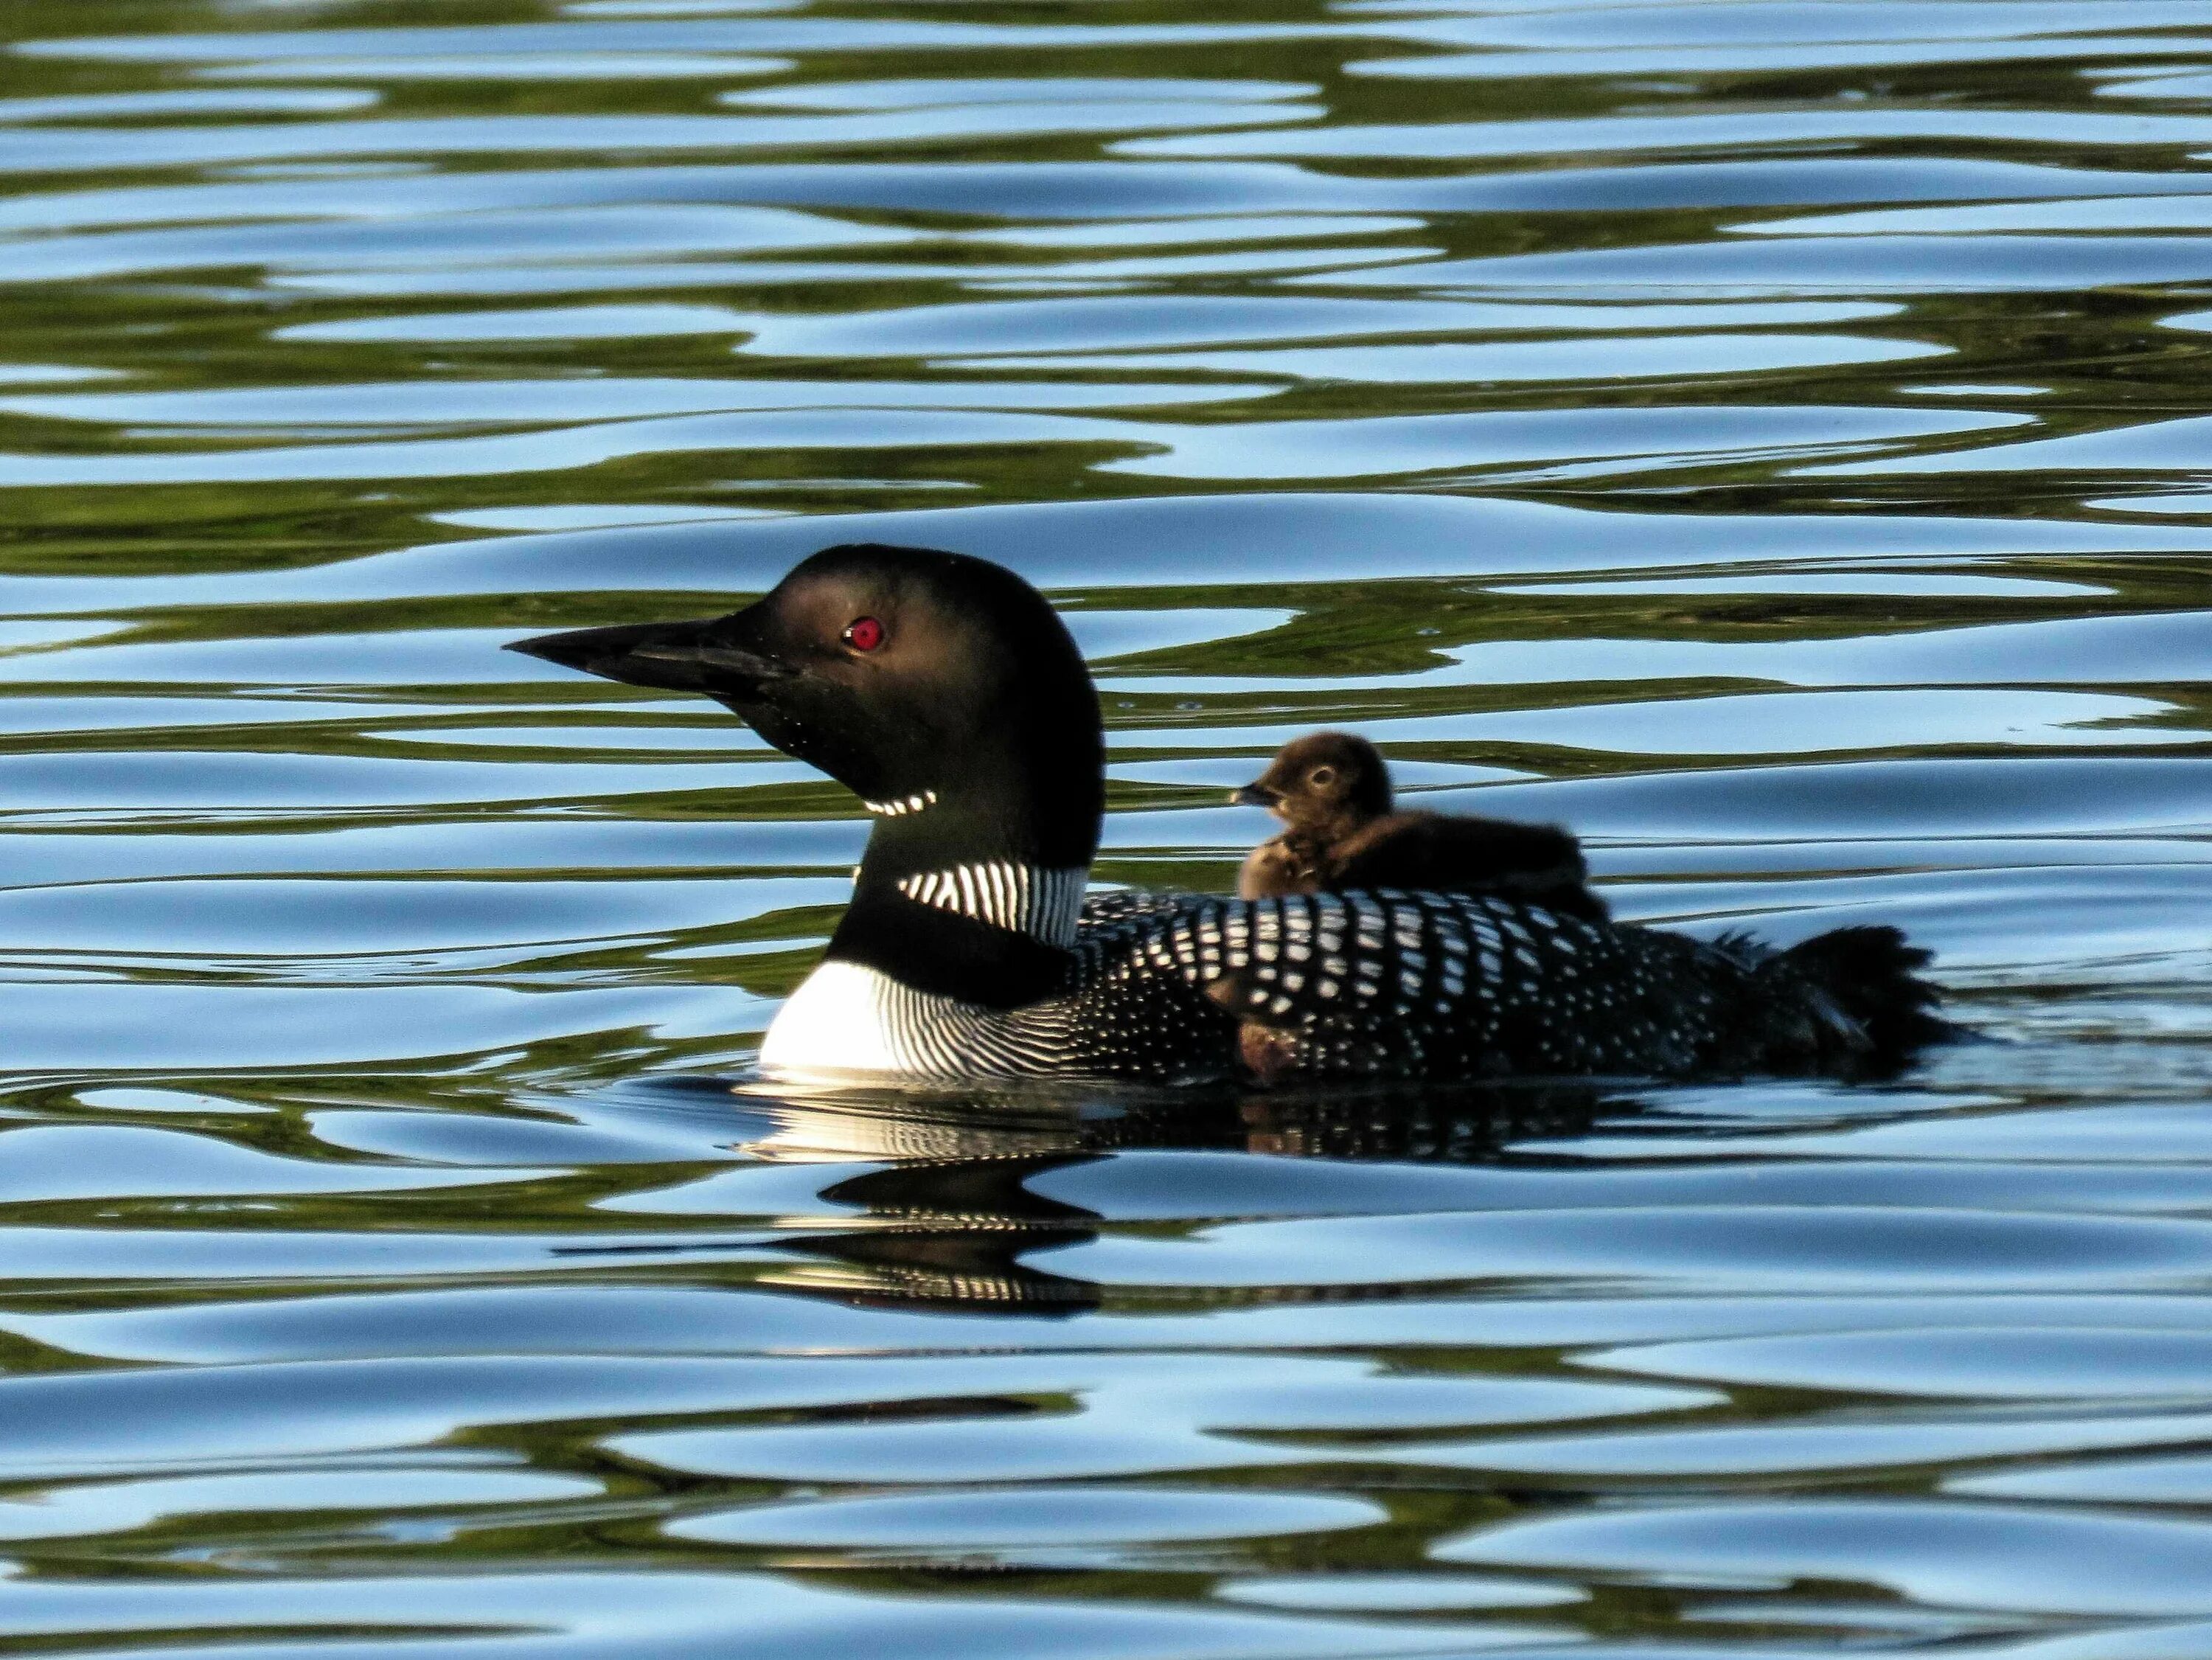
x=1331, y=791
x=947, y=694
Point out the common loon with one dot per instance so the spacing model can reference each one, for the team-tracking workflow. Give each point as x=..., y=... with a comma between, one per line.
x=1331, y=791
x=947, y=694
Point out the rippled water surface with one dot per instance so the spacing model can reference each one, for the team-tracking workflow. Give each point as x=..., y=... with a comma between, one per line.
x=1774, y=438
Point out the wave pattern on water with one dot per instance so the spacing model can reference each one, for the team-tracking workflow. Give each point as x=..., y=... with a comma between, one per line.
x=1769, y=438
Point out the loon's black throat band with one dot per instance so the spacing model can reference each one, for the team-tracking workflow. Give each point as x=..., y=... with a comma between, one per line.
x=941, y=951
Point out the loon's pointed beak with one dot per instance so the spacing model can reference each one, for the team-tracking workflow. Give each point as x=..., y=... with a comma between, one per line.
x=694, y=656
x=1254, y=795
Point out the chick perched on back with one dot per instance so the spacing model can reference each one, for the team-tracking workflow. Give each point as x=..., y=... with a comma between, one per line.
x=1331, y=791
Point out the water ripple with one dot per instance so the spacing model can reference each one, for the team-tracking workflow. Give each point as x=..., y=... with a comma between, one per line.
x=1767, y=438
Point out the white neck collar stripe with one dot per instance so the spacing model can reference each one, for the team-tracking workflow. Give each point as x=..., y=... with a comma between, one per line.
x=903, y=806
x=1043, y=903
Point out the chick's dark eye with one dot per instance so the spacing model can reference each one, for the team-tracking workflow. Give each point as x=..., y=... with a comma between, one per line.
x=864, y=634
x=1321, y=777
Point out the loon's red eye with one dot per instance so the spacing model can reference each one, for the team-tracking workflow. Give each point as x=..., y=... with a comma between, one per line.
x=864, y=634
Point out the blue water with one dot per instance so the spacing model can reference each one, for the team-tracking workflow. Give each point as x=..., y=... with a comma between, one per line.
x=1772, y=439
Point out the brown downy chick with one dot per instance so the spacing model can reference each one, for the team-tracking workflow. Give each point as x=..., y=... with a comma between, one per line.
x=1331, y=791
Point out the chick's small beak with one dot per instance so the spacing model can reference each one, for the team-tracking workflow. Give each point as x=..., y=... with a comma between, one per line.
x=1254, y=795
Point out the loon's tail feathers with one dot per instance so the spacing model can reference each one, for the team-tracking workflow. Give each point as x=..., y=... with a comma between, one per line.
x=1867, y=978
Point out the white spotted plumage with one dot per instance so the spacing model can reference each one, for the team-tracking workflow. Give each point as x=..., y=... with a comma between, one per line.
x=1135, y=1004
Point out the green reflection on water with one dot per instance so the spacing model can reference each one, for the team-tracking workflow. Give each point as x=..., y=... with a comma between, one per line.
x=292, y=679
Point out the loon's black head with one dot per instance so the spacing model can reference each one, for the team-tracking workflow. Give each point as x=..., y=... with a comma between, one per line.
x=941, y=689
x=1321, y=779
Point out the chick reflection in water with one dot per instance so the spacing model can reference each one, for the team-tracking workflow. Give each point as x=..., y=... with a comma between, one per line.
x=947, y=694
x=952, y=1217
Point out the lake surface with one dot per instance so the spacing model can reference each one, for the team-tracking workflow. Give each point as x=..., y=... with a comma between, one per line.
x=1775, y=440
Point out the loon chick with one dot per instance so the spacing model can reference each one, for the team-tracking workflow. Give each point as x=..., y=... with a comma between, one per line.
x=1333, y=791
x=947, y=694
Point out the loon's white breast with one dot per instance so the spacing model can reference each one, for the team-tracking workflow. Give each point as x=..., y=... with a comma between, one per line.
x=839, y=1020
x=852, y=1017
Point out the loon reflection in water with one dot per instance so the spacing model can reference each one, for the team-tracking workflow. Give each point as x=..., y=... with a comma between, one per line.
x=946, y=693
x=949, y=1214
